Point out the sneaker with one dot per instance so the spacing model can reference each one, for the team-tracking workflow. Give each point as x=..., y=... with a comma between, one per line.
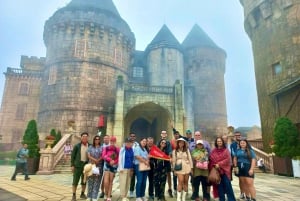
x=242, y=196
x=131, y=194
x=101, y=195
x=83, y=196
x=170, y=193
x=73, y=198
x=193, y=197
x=13, y=179
x=108, y=199
x=145, y=199
x=27, y=178
x=139, y=199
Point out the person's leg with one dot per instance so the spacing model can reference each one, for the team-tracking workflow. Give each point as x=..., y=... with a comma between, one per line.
x=174, y=182
x=228, y=188
x=90, y=182
x=144, y=181
x=76, y=178
x=139, y=177
x=25, y=170
x=196, y=183
x=83, y=184
x=16, y=171
x=186, y=182
x=111, y=180
x=106, y=183
x=96, y=187
x=249, y=183
x=132, y=183
x=127, y=184
x=221, y=189
x=122, y=181
x=151, y=183
x=205, y=194
x=163, y=180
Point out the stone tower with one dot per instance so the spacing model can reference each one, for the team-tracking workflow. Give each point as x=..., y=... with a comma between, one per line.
x=88, y=46
x=273, y=27
x=204, y=74
x=92, y=69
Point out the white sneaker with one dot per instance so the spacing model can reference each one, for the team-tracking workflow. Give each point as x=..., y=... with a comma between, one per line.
x=139, y=199
x=131, y=194
x=145, y=199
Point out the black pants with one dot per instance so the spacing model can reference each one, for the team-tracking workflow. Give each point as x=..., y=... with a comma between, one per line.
x=132, y=182
x=151, y=183
x=196, y=183
x=19, y=167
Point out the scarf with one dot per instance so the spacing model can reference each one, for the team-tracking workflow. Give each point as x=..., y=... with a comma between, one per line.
x=222, y=158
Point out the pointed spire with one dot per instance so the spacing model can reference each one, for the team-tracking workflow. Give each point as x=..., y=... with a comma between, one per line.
x=164, y=38
x=198, y=38
x=105, y=5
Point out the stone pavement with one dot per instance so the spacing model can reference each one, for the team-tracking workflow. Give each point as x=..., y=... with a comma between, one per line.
x=58, y=187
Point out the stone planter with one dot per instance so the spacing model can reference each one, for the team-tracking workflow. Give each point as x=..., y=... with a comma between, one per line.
x=296, y=168
x=49, y=143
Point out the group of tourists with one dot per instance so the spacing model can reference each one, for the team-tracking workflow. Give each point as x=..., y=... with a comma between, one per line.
x=188, y=159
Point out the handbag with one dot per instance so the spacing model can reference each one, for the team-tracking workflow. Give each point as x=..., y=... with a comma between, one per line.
x=202, y=165
x=143, y=167
x=214, y=176
x=178, y=167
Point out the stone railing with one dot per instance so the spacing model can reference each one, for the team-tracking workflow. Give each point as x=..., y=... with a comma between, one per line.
x=50, y=157
x=151, y=89
x=267, y=158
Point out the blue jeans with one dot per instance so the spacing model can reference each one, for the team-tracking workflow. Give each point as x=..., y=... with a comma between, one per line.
x=141, y=179
x=225, y=188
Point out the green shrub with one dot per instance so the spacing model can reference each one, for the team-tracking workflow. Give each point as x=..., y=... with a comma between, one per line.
x=286, y=138
x=31, y=138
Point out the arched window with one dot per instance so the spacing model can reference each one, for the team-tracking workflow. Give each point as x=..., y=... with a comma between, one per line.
x=24, y=89
x=21, y=111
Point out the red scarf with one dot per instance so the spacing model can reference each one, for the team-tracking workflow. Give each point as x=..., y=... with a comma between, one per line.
x=222, y=158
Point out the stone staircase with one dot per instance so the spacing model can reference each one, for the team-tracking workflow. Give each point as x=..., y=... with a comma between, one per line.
x=63, y=167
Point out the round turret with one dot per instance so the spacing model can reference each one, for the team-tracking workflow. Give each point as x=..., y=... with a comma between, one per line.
x=88, y=46
x=273, y=27
x=204, y=71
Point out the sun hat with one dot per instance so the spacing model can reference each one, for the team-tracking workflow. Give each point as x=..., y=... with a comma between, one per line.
x=199, y=142
x=181, y=139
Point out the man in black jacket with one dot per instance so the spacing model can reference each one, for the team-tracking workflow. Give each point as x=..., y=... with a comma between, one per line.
x=78, y=160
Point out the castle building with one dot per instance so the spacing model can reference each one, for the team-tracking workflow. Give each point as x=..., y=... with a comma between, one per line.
x=93, y=70
x=273, y=27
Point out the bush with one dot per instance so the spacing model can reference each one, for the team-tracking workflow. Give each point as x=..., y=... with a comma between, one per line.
x=31, y=138
x=286, y=138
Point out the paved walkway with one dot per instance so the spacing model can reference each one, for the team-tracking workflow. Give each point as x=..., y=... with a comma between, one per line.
x=58, y=187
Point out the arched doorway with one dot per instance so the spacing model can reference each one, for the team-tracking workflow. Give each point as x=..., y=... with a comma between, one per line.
x=147, y=119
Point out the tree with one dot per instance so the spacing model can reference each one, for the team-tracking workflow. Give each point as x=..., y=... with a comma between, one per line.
x=58, y=137
x=31, y=138
x=286, y=138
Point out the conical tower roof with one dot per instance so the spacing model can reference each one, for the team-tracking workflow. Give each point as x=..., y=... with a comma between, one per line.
x=198, y=38
x=104, y=5
x=164, y=38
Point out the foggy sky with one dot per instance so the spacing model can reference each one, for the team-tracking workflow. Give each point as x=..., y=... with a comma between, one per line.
x=22, y=24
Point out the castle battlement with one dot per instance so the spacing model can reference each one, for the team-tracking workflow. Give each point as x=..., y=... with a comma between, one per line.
x=257, y=10
x=28, y=62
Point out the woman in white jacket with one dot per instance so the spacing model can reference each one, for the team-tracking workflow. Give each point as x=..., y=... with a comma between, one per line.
x=125, y=168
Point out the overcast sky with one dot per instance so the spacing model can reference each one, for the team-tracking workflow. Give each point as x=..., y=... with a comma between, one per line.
x=22, y=24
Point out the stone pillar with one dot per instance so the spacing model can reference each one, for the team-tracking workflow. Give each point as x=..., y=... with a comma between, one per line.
x=178, y=106
x=189, y=108
x=118, y=127
x=46, y=162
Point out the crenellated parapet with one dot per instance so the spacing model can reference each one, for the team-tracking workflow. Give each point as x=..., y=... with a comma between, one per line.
x=258, y=11
x=89, y=25
x=32, y=63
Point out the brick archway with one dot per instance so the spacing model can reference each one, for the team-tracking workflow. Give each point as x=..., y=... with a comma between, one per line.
x=147, y=119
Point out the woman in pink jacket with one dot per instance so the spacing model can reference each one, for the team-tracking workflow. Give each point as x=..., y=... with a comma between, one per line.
x=110, y=155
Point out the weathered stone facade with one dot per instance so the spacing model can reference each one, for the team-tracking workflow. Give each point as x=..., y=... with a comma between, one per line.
x=92, y=69
x=273, y=27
